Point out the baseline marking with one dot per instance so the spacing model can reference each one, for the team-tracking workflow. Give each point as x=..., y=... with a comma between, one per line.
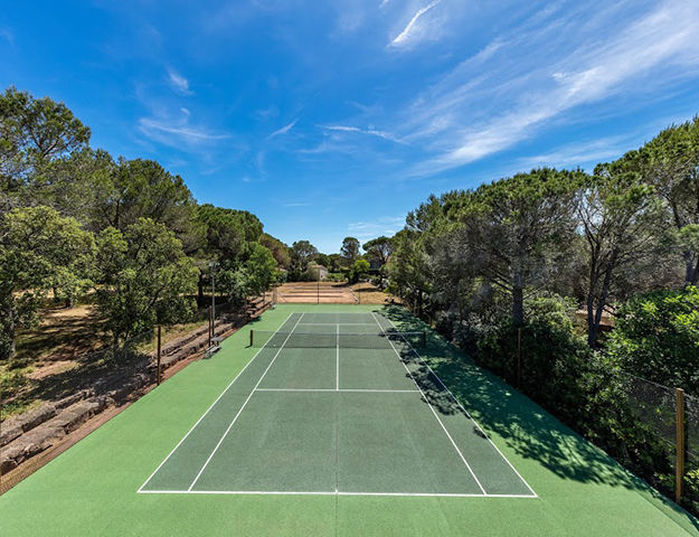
x=434, y=412
x=240, y=411
x=209, y=409
x=466, y=412
x=351, y=390
x=337, y=493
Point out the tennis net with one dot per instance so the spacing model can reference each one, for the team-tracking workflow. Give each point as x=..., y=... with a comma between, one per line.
x=319, y=340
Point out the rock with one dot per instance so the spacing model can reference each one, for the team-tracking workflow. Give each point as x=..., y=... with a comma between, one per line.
x=71, y=399
x=8, y=435
x=36, y=417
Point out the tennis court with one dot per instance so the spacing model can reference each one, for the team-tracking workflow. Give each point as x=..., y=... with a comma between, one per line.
x=337, y=404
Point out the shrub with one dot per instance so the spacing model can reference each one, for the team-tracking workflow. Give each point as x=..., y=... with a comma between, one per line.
x=657, y=337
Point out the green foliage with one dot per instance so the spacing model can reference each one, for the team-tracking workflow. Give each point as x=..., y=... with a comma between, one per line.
x=144, y=279
x=39, y=250
x=358, y=269
x=279, y=250
x=379, y=249
x=657, y=337
x=302, y=253
x=261, y=269
x=32, y=133
x=349, y=250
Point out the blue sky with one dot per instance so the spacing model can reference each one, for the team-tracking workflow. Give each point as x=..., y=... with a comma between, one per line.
x=329, y=119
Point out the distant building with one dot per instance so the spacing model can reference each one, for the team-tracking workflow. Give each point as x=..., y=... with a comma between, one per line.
x=317, y=272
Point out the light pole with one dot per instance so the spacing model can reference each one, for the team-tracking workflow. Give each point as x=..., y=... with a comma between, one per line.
x=213, y=266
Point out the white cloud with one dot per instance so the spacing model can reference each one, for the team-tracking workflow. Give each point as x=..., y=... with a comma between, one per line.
x=641, y=55
x=410, y=29
x=284, y=129
x=179, y=83
x=388, y=225
x=372, y=132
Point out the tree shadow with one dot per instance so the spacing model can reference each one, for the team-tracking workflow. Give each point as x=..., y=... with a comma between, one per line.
x=499, y=409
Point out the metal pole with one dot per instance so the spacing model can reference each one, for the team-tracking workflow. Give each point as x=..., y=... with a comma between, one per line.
x=213, y=300
x=318, y=290
x=679, y=429
x=158, y=372
x=210, y=325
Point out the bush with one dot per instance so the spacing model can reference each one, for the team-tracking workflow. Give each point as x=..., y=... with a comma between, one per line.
x=657, y=337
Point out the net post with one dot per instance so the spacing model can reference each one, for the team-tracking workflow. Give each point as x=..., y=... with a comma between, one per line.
x=251, y=337
x=679, y=429
x=159, y=348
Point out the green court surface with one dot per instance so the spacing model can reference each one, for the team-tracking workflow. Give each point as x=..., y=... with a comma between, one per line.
x=335, y=422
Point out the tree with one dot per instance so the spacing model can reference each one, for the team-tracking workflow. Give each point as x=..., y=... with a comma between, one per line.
x=229, y=236
x=349, y=250
x=144, y=189
x=144, y=279
x=379, y=248
x=261, y=269
x=519, y=230
x=77, y=185
x=33, y=132
x=670, y=162
x=656, y=336
x=39, y=250
x=302, y=253
x=359, y=268
x=622, y=222
x=409, y=269
x=279, y=250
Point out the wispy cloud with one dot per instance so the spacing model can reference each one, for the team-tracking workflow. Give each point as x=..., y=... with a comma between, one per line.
x=410, y=29
x=284, y=129
x=178, y=132
x=372, y=132
x=296, y=204
x=8, y=35
x=179, y=83
x=647, y=50
x=388, y=225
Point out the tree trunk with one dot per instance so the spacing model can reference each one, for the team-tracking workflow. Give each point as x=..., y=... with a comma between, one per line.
x=690, y=273
x=517, y=301
x=591, y=327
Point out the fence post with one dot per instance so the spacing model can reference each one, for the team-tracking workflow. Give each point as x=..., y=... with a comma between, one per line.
x=519, y=357
x=679, y=429
x=158, y=372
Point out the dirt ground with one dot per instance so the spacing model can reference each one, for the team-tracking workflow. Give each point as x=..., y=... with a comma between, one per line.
x=331, y=293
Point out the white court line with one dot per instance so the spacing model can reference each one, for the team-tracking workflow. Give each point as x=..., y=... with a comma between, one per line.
x=350, y=390
x=461, y=455
x=337, y=358
x=209, y=409
x=211, y=456
x=333, y=324
x=465, y=411
x=336, y=493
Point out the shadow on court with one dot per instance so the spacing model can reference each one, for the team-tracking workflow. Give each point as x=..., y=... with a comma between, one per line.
x=526, y=428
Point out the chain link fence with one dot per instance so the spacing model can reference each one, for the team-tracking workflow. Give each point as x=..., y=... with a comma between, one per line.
x=674, y=419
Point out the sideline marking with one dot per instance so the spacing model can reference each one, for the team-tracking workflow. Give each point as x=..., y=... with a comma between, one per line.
x=240, y=411
x=434, y=412
x=468, y=414
x=209, y=409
